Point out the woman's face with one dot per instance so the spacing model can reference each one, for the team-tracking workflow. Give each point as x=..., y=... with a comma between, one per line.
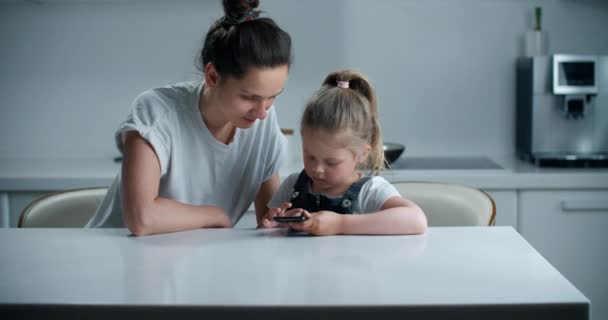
x=245, y=100
x=331, y=166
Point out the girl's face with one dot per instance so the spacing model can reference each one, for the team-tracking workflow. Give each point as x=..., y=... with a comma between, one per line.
x=245, y=100
x=331, y=166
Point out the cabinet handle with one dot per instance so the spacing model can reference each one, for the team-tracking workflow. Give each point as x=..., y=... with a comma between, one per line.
x=580, y=205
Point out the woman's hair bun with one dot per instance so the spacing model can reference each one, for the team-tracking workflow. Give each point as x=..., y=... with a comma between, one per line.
x=238, y=8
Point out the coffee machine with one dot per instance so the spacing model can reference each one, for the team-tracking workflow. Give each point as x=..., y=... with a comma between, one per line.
x=562, y=110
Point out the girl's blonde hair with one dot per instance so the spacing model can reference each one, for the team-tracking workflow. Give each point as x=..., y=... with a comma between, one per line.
x=346, y=102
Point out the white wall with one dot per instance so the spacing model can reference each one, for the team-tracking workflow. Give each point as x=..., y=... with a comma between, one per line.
x=444, y=70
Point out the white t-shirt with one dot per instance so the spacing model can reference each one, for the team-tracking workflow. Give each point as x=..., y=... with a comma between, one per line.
x=196, y=168
x=372, y=196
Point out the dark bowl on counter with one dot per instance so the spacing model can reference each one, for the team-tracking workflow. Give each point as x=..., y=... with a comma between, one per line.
x=392, y=151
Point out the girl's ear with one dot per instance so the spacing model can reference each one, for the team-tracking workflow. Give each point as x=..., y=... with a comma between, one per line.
x=212, y=77
x=364, y=154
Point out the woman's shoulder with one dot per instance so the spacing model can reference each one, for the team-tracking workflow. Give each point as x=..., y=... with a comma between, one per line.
x=169, y=93
x=166, y=99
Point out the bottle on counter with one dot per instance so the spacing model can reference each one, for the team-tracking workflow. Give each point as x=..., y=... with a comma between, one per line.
x=537, y=41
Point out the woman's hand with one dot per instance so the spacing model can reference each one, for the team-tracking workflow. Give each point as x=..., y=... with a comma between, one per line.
x=322, y=223
x=221, y=220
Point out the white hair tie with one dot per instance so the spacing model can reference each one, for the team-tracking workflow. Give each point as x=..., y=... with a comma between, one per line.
x=343, y=84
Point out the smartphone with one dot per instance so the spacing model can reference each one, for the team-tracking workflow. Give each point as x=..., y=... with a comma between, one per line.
x=299, y=218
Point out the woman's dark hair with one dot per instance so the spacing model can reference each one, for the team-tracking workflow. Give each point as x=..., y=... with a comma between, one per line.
x=235, y=43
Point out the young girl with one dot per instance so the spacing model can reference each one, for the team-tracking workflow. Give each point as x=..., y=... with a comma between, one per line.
x=341, y=137
x=197, y=154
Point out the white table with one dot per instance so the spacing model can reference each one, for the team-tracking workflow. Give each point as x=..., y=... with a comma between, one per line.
x=448, y=273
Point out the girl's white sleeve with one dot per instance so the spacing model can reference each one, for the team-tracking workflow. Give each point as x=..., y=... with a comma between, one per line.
x=374, y=194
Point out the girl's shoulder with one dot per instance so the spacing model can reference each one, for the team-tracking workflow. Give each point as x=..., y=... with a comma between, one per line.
x=374, y=179
x=376, y=182
x=375, y=192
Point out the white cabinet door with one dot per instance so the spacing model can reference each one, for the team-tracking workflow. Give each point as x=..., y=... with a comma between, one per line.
x=506, y=207
x=570, y=229
x=4, y=210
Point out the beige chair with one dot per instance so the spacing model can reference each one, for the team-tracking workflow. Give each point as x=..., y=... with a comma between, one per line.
x=450, y=204
x=66, y=209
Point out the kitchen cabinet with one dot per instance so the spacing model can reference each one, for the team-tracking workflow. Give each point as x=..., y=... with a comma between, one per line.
x=24, y=180
x=506, y=206
x=4, y=209
x=569, y=228
x=14, y=202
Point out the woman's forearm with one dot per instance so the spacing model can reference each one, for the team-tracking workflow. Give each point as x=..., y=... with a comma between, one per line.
x=165, y=215
x=267, y=189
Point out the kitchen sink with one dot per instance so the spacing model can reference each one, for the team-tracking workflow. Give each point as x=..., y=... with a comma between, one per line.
x=445, y=163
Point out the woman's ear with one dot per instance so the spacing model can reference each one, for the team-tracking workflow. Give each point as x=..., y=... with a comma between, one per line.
x=212, y=77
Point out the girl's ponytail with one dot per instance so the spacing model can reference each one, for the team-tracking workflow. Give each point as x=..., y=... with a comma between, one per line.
x=347, y=101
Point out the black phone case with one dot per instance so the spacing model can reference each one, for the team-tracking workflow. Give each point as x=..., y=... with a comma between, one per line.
x=290, y=219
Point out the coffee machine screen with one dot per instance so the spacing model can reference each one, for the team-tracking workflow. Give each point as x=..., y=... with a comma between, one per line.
x=574, y=74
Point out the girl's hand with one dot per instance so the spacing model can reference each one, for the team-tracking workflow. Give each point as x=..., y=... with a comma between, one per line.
x=267, y=222
x=322, y=223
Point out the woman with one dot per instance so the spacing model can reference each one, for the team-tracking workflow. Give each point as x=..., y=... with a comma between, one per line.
x=196, y=155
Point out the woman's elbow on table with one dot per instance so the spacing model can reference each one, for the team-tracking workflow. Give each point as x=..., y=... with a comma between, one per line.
x=137, y=220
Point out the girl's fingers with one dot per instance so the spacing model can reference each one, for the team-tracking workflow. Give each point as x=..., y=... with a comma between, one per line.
x=305, y=226
x=286, y=205
x=298, y=226
x=274, y=212
x=280, y=211
x=306, y=214
x=266, y=223
x=294, y=212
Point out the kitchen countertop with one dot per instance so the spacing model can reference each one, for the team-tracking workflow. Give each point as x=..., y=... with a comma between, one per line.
x=509, y=173
x=55, y=174
x=503, y=172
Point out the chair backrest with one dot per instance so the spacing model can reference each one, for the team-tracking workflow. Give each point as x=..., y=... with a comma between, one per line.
x=66, y=209
x=446, y=204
